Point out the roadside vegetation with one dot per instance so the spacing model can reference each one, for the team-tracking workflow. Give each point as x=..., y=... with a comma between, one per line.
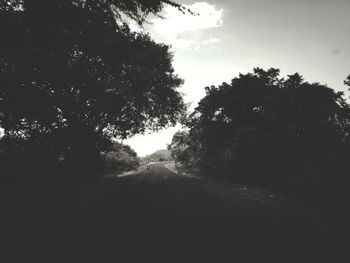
x=281, y=133
x=120, y=158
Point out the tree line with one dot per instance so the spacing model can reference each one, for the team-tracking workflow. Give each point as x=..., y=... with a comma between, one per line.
x=157, y=156
x=265, y=130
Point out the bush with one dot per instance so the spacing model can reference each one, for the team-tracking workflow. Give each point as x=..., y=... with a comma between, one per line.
x=120, y=158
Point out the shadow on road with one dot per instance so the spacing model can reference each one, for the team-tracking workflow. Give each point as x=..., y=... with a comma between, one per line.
x=157, y=216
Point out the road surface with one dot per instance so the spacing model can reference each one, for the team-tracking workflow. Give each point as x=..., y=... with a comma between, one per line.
x=157, y=216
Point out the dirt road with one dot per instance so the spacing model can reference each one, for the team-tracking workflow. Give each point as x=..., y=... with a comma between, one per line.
x=157, y=216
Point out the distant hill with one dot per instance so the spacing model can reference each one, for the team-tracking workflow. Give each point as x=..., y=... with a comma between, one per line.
x=158, y=156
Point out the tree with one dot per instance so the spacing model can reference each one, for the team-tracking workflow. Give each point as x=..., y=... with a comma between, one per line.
x=73, y=75
x=185, y=149
x=266, y=130
x=179, y=147
x=120, y=157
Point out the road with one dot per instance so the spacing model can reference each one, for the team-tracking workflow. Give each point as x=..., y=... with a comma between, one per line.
x=158, y=216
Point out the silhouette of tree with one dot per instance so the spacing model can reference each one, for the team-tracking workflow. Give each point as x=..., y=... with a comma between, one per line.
x=267, y=130
x=73, y=75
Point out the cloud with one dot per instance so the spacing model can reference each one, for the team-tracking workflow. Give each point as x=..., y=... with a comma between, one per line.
x=182, y=43
x=184, y=30
x=211, y=41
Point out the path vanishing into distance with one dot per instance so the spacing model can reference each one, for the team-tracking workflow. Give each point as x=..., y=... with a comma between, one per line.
x=159, y=216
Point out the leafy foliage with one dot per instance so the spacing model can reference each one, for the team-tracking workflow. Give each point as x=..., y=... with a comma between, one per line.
x=120, y=158
x=266, y=130
x=73, y=75
x=184, y=150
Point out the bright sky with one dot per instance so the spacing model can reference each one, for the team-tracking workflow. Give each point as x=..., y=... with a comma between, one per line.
x=231, y=36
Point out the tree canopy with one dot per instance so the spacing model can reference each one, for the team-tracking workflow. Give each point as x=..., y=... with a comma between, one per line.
x=73, y=75
x=264, y=129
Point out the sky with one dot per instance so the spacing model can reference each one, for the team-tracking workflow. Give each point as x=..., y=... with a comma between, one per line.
x=229, y=37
